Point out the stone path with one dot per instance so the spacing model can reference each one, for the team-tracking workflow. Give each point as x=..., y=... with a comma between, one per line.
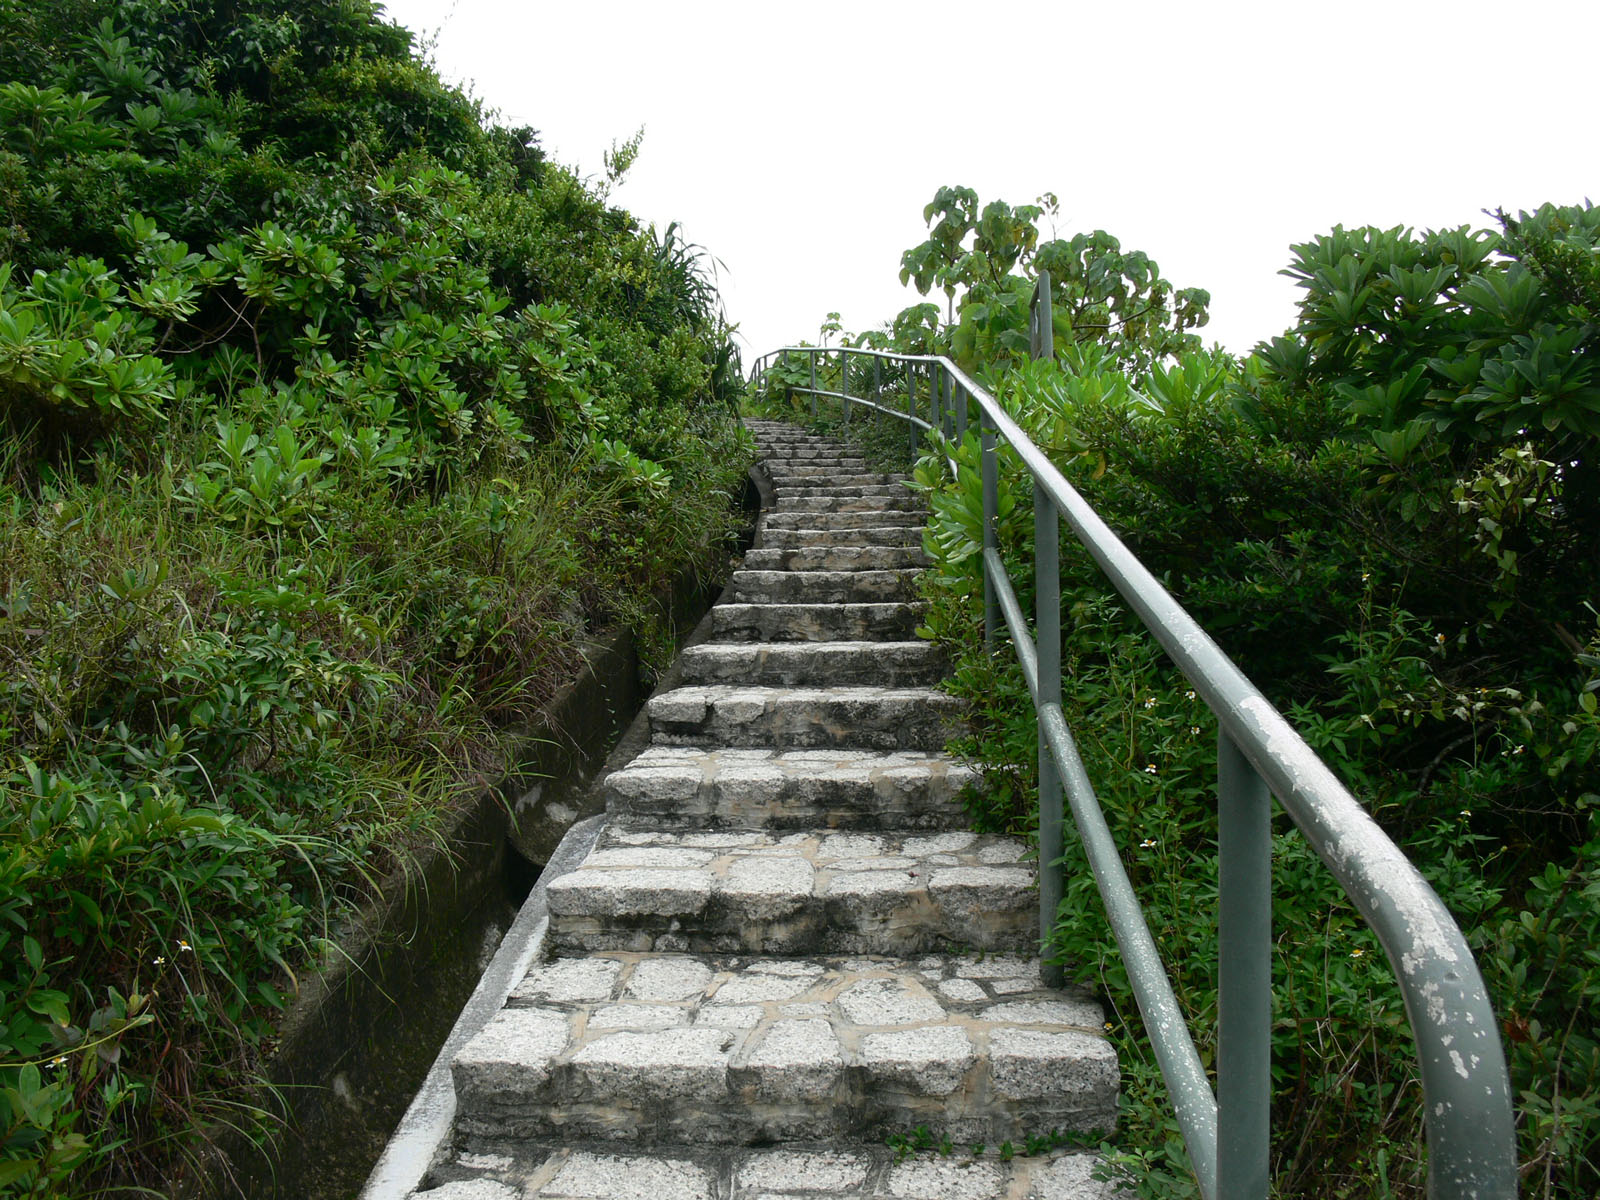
x=784, y=948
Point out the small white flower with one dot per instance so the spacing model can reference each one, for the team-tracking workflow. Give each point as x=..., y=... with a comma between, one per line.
x=1439, y=637
x=1195, y=730
x=159, y=960
x=1189, y=695
x=184, y=947
x=1366, y=575
x=1517, y=749
x=1150, y=769
x=1357, y=953
x=1149, y=701
x=1147, y=844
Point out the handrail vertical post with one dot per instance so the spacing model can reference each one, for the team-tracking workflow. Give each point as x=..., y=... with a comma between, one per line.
x=961, y=412
x=877, y=392
x=1041, y=323
x=1244, y=983
x=1047, y=627
x=911, y=410
x=947, y=405
x=991, y=513
x=844, y=383
x=813, y=357
x=935, y=371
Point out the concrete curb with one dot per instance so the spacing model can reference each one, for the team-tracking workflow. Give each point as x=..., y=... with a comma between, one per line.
x=426, y=1127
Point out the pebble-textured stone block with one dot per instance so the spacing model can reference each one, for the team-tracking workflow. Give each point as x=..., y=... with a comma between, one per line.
x=827, y=1048
x=825, y=587
x=817, y=622
x=799, y=664
x=799, y=718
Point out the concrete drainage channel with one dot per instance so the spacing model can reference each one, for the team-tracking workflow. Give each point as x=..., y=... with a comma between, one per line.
x=779, y=947
x=368, y=1034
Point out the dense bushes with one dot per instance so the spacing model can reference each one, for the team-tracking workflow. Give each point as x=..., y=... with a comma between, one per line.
x=333, y=420
x=1387, y=517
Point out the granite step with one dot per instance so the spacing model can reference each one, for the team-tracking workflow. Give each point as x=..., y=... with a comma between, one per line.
x=904, y=502
x=737, y=1051
x=690, y=788
x=824, y=587
x=793, y=476
x=835, y=558
x=856, y=520
x=810, y=892
x=794, y=539
x=866, y=718
x=547, y=1169
x=834, y=487
x=819, y=664
x=817, y=622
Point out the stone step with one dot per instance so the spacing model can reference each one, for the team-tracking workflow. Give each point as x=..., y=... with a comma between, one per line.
x=685, y=788
x=810, y=892
x=867, y=718
x=833, y=487
x=694, y=1050
x=809, y=476
x=547, y=1169
x=820, y=455
x=904, y=502
x=837, y=520
x=814, y=664
x=835, y=558
x=824, y=587
x=787, y=539
x=816, y=622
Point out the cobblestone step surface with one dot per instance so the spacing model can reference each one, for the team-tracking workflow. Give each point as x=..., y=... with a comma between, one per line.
x=606, y=1171
x=836, y=558
x=681, y=787
x=837, y=487
x=794, y=664
x=891, y=622
x=787, y=539
x=825, y=587
x=811, y=892
x=696, y=1049
x=902, y=502
x=867, y=520
x=869, y=718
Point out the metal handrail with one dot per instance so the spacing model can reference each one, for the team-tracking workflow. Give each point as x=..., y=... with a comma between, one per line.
x=1466, y=1088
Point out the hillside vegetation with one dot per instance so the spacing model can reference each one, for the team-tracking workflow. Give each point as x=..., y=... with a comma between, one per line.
x=1390, y=518
x=333, y=419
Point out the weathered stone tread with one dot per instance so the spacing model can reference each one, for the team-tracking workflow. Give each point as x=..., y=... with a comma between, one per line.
x=739, y=1050
x=810, y=892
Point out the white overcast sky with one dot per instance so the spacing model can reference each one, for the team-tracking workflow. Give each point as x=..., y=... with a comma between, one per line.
x=799, y=142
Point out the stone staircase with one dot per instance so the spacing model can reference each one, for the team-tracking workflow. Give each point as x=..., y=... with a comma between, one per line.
x=784, y=948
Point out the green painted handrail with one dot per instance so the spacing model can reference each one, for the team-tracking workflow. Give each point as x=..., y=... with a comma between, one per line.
x=1466, y=1088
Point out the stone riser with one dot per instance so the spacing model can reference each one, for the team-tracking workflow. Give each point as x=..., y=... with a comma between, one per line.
x=688, y=789
x=801, y=491
x=805, y=893
x=850, y=1051
x=887, y=520
x=840, y=504
x=824, y=587
x=836, y=558
x=819, y=476
x=686, y=1171
x=908, y=536
x=801, y=718
x=824, y=664
x=816, y=622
